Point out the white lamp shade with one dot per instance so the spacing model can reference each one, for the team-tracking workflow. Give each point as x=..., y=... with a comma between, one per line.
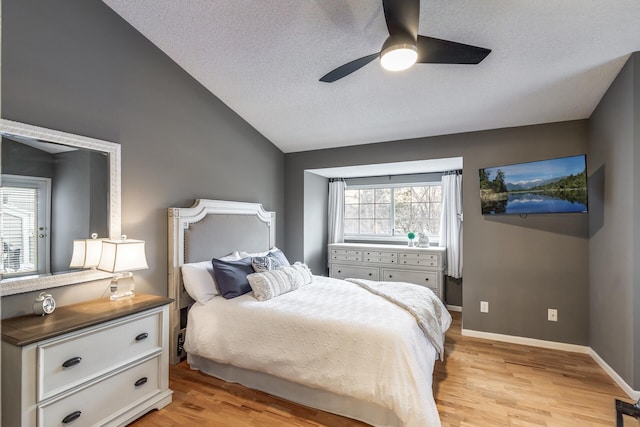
x=86, y=253
x=122, y=255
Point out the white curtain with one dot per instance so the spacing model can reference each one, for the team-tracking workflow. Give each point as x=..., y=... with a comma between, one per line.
x=451, y=223
x=336, y=211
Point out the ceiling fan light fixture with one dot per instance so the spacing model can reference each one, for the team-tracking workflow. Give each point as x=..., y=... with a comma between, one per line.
x=398, y=57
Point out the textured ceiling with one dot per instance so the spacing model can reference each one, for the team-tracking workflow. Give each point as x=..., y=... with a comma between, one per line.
x=551, y=61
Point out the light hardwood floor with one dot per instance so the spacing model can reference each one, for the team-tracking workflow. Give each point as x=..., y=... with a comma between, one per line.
x=481, y=383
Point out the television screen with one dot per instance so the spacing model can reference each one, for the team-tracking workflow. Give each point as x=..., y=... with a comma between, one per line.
x=545, y=186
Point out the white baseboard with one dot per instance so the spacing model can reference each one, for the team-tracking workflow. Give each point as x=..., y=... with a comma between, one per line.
x=454, y=308
x=633, y=394
x=527, y=341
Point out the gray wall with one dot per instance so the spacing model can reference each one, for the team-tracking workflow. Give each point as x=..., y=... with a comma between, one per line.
x=76, y=66
x=21, y=159
x=636, y=221
x=316, y=205
x=614, y=248
x=521, y=266
x=79, y=203
x=99, y=215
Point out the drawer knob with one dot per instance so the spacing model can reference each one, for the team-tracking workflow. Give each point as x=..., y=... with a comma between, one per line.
x=72, y=362
x=390, y=276
x=141, y=381
x=339, y=271
x=71, y=417
x=142, y=336
x=370, y=274
x=427, y=279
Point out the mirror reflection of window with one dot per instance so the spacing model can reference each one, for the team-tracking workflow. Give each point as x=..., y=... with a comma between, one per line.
x=24, y=223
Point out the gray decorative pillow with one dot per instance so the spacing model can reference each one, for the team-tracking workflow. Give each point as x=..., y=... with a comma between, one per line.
x=270, y=284
x=279, y=255
x=231, y=276
x=265, y=263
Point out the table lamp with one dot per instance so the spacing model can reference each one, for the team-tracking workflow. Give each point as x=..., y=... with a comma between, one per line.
x=86, y=252
x=121, y=257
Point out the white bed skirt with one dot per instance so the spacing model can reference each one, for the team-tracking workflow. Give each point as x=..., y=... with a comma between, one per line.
x=366, y=412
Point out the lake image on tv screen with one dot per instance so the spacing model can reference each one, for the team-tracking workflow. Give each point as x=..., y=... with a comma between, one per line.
x=546, y=186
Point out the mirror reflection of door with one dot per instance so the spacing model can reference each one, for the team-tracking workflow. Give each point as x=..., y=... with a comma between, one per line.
x=25, y=215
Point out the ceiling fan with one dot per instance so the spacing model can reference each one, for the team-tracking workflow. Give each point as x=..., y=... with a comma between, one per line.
x=404, y=47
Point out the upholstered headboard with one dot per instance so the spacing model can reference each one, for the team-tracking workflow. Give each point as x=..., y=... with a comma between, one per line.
x=210, y=229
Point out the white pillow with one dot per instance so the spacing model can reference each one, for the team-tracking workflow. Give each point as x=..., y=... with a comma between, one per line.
x=199, y=281
x=255, y=254
x=270, y=284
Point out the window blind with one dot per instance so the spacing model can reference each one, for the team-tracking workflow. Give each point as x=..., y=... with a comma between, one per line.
x=18, y=230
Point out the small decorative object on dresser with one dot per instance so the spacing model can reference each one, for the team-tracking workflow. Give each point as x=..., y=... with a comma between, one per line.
x=411, y=235
x=44, y=304
x=422, y=266
x=99, y=362
x=423, y=240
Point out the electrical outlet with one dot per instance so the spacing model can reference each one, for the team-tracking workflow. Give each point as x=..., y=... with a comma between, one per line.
x=484, y=306
x=552, y=315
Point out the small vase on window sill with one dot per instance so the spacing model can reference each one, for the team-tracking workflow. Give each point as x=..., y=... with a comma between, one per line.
x=411, y=236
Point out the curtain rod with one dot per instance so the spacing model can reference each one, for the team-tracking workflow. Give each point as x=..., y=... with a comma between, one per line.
x=405, y=174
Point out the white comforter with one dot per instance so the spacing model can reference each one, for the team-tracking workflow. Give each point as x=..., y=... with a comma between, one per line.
x=332, y=335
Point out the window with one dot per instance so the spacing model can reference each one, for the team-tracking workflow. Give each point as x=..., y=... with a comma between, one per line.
x=392, y=211
x=23, y=225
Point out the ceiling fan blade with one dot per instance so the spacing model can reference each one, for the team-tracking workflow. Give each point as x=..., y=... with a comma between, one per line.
x=437, y=51
x=402, y=17
x=348, y=68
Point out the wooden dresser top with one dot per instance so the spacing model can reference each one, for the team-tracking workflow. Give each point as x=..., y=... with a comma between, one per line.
x=27, y=329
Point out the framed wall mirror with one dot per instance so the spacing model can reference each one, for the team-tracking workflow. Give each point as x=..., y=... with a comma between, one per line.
x=55, y=187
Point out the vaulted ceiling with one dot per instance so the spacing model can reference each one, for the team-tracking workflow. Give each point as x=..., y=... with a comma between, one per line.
x=550, y=61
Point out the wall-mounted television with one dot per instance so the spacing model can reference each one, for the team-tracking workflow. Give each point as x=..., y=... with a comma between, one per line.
x=545, y=186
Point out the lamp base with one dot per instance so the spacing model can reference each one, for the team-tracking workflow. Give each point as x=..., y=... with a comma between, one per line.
x=122, y=286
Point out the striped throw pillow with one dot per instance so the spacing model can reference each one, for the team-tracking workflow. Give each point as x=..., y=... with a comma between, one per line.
x=269, y=284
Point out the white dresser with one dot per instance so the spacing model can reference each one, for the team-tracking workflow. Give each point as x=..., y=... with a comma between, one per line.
x=100, y=362
x=422, y=266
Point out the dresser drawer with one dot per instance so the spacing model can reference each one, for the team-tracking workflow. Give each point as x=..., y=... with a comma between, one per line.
x=428, y=260
x=346, y=255
x=66, y=363
x=102, y=400
x=344, y=271
x=380, y=257
x=423, y=278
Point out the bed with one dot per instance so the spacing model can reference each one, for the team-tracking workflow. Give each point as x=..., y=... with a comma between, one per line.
x=330, y=344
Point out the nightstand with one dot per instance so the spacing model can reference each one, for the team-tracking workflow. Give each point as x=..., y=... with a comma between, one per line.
x=99, y=362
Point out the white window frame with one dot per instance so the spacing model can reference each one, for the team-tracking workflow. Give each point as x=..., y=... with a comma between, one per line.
x=43, y=185
x=433, y=239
